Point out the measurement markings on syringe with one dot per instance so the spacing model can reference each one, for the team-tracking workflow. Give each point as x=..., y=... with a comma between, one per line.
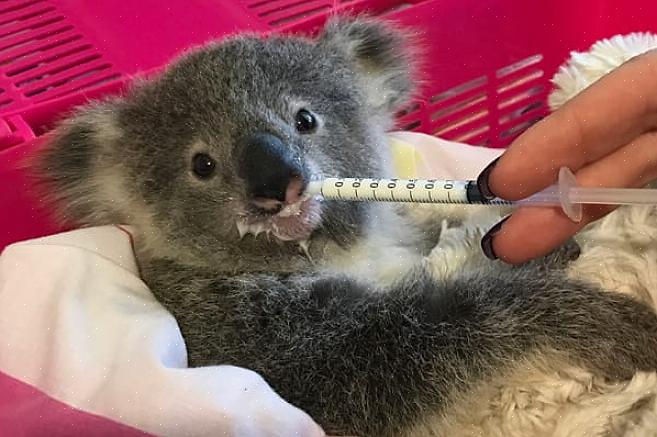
x=440, y=191
x=429, y=186
x=396, y=190
x=409, y=187
x=373, y=186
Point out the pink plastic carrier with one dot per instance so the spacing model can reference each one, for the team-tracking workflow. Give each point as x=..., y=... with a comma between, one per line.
x=488, y=62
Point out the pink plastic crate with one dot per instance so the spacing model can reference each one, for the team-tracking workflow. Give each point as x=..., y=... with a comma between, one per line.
x=487, y=69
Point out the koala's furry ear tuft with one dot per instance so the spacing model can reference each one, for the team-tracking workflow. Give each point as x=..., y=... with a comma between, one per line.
x=385, y=56
x=63, y=171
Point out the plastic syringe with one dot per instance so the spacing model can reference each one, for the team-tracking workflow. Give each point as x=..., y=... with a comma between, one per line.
x=565, y=194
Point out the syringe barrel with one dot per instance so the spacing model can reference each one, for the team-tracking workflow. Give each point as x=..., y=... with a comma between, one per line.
x=613, y=196
x=393, y=190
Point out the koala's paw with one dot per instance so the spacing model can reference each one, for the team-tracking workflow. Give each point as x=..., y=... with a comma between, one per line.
x=459, y=247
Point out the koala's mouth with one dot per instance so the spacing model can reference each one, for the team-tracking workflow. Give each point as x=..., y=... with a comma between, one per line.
x=294, y=222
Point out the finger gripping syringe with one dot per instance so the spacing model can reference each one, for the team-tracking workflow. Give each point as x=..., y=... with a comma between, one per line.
x=565, y=194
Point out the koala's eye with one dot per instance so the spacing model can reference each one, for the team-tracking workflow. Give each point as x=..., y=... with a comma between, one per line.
x=305, y=121
x=202, y=165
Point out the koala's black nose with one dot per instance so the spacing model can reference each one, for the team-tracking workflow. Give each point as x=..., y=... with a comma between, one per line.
x=270, y=169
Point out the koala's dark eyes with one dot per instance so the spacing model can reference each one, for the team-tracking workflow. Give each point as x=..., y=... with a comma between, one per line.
x=305, y=121
x=203, y=165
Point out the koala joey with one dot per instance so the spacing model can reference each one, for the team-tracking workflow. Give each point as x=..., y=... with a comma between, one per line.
x=330, y=302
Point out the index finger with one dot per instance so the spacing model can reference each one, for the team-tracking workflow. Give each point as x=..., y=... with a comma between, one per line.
x=609, y=114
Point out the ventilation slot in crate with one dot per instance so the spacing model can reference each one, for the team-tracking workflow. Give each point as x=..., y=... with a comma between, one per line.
x=487, y=111
x=461, y=113
x=43, y=56
x=520, y=95
x=5, y=100
x=13, y=130
x=394, y=7
x=283, y=13
x=408, y=117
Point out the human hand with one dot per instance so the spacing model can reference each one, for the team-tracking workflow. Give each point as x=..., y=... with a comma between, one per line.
x=607, y=135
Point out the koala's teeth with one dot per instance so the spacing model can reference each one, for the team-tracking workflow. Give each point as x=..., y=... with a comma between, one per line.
x=304, y=245
x=257, y=229
x=251, y=228
x=242, y=228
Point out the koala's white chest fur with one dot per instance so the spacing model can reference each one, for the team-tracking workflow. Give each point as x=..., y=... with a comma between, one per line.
x=382, y=256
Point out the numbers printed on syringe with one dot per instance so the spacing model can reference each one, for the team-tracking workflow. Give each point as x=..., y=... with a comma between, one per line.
x=396, y=190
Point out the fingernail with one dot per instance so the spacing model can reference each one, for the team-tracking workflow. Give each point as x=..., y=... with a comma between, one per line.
x=487, y=240
x=482, y=180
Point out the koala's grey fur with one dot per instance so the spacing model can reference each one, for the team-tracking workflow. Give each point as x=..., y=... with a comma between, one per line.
x=362, y=355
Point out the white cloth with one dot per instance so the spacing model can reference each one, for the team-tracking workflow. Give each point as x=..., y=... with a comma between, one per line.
x=77, y=323
x=446, y=159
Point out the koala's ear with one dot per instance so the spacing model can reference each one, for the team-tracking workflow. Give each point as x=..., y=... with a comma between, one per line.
x=383, y=54
x=64, y=171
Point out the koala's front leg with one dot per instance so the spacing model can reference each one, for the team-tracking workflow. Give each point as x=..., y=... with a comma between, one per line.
x=458, y=248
